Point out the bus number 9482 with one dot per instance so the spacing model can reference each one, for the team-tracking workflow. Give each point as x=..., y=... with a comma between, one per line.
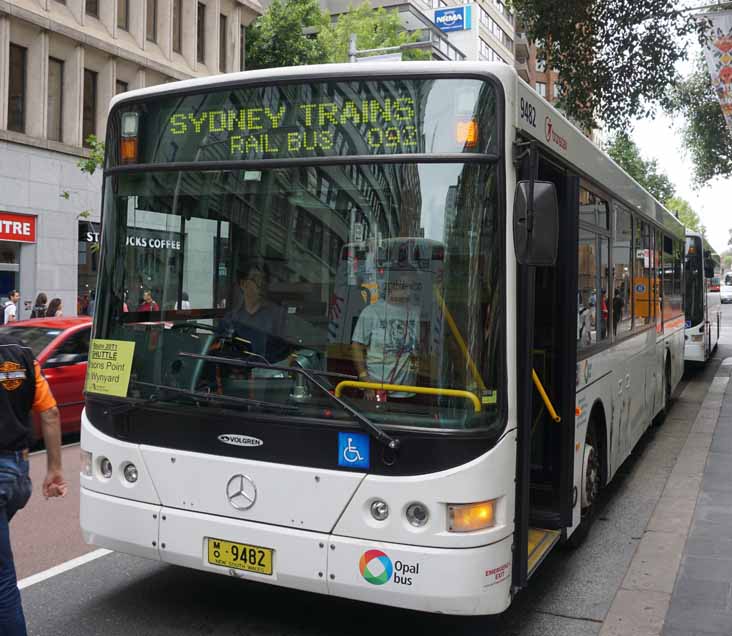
x=528, y=112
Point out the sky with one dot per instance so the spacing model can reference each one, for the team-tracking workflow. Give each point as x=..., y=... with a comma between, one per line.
x=660, y=139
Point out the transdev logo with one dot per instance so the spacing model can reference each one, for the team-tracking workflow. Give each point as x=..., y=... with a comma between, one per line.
x=453, y=19
x=375, y=567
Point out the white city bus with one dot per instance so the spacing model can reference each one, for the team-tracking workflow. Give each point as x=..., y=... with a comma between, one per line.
x=702, y=302
x=516, y=298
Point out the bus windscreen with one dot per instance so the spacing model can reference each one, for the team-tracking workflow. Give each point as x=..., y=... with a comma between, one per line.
x=304, y=120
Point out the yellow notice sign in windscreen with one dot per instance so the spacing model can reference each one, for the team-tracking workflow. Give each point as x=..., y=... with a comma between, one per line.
x=110, y=363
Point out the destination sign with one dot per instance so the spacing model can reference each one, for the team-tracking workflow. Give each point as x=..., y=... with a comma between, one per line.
x=389, y=124
x=317, y=119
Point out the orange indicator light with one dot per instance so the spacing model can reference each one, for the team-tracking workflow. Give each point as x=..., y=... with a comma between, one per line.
x=467, y=133
x=128, y=149
x=471, y=517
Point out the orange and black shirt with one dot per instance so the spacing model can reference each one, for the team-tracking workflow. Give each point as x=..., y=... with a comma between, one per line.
x=23, y=390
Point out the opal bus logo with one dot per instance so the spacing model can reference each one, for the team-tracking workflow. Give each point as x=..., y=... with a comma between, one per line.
x=375, y=567
x=240, y=440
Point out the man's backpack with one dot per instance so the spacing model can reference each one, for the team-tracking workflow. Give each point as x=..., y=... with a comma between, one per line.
x=2, y=313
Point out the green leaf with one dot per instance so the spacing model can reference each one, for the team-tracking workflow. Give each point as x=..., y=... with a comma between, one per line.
x=626, y=153
x=615, y=57
x=706, y=136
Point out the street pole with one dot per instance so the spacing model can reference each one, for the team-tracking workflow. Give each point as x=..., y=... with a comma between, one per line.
x=352, y=50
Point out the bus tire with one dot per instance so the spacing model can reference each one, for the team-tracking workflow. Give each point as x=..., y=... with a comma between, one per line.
x=592, y=480
x=667, y=386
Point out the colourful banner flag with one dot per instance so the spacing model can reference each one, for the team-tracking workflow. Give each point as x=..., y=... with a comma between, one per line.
x=718, y=52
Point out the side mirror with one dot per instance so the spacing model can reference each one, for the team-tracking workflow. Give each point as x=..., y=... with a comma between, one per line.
x=536, y=223
x=64, y=360
x=708, y=269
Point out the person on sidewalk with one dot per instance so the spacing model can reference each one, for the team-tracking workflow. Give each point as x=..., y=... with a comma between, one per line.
x=23, y=390
x=40, y=307
x=11, y=307
x=148, y=303
x=55, y=309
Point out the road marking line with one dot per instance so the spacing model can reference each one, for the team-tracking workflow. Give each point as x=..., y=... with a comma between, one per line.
x=61, y=568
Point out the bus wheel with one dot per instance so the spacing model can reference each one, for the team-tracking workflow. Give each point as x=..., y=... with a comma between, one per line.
x=591, y=484
x=667, y=386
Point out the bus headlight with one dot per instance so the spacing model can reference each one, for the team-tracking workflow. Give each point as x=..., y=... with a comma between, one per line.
x=130, y=473
x=471, y=517
x=105, y=467
x=86, y=463
x=379, y=510
x=417, y=514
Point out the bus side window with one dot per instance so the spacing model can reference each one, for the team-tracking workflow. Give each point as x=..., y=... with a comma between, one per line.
x=586, y=290
x=622, y=272
x=642, y=272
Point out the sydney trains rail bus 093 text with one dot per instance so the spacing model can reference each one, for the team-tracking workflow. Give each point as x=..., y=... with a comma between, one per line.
x=376, y=332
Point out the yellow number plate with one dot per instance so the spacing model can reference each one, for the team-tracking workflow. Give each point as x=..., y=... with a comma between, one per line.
x=240, y=556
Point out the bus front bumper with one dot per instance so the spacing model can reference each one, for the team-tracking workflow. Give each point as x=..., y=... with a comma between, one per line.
x=454, y=581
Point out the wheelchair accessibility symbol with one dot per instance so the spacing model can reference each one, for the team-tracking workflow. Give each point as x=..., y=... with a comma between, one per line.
x=353, y=450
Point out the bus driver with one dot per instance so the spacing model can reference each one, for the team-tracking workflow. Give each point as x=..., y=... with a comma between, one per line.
x=258, y=321
x=386, y=337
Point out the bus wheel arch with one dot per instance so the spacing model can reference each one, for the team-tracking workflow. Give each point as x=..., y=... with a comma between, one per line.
x=594, y=472
x=595, y=460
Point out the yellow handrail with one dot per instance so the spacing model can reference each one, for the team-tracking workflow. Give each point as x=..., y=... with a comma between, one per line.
x=545, y=397
x=460, y=342
x=424, y=390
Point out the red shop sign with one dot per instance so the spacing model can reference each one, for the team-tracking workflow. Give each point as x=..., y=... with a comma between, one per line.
x=17, y=227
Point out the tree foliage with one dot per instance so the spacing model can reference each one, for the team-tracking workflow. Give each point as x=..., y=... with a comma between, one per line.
x=615, y=57
x=705, y=134
x=626, y=153
x=686, y=214
x=276, y=38
x=373, y=28
x=295, y=32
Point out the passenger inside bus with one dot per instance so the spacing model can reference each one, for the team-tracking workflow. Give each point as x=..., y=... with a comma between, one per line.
x=386, y=340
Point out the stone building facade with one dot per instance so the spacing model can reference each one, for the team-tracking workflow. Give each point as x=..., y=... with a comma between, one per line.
x=61, y=61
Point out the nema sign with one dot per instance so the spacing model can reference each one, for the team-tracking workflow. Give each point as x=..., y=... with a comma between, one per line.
x=453, y=18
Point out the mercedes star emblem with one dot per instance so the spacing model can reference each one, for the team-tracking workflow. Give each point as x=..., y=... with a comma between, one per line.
x=241, y=492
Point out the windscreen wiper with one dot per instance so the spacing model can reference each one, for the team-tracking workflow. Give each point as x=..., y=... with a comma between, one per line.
x=391, y=442
x=211, y=397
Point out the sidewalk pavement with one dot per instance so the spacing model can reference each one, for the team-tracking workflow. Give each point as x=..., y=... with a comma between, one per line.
x=679, y=582
x=702, y=597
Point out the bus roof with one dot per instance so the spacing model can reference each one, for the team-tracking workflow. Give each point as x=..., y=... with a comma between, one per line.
x=326, y=71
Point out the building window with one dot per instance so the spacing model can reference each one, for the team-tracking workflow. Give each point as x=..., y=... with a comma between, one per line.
x=54, y=128
x=201, y=33
x=242, y=46
x=222, y=43
x=121, y=87
x=495, y=29
x=152, y=20
x=123, y=10
x=541, y=89
x=90, y=105
x=487, y=53
x=177, y=22
x=92, y=8
x=16, y=88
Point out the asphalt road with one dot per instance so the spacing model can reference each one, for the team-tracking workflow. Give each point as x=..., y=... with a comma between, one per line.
x=122, y=595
